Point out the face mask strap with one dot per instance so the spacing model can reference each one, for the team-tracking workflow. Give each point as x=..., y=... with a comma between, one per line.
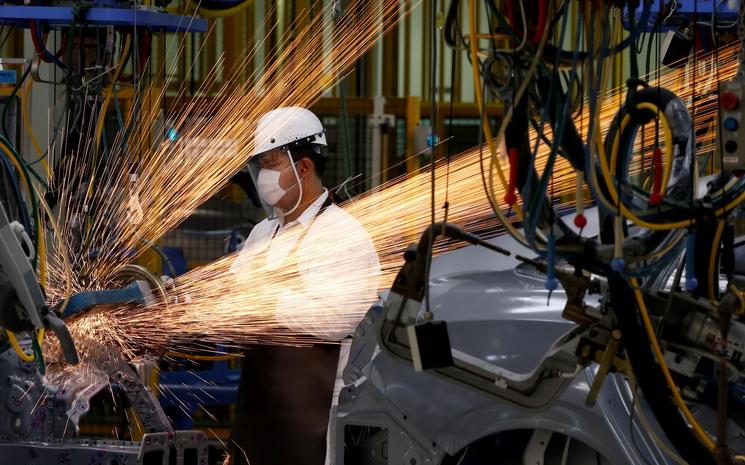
x=298, y=182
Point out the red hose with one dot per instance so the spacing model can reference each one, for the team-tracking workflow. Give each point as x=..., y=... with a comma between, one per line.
x=541, y=25
x=511, y=15
x=39, y=45
x=144, y=54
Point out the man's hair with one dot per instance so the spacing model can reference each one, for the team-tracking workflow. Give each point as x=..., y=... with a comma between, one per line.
x=312, y=152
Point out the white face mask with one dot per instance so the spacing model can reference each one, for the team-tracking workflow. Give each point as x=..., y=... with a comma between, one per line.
x=267, y=183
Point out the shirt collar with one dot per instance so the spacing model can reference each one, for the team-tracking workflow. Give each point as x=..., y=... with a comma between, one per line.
x=310, y=212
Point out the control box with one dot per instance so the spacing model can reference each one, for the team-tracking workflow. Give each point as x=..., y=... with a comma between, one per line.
x=731, y=134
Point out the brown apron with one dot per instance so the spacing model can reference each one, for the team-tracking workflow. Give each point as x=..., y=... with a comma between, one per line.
x=284, y=397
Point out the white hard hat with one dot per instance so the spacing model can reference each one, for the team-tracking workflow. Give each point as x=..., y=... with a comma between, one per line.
x=286, y=127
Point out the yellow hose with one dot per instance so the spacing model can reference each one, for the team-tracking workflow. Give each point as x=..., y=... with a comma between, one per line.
x=645, y=423
x=226, y=12
x=41, y=249
x=677, y=398
x=27, y=124
x=62, y=250
x=668, y=142
x=19, y=350
x=713, y=259
x=473, y=39
x=110, y=91
x=740, y=295
x=494, y=160
x=605, y=170
x=19, y=168
x=17, y=347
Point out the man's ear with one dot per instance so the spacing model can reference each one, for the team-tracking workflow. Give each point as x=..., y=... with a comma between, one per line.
x=305, y=167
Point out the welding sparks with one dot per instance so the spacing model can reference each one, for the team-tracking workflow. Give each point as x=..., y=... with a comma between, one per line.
x=114, y=208
x=215, y=305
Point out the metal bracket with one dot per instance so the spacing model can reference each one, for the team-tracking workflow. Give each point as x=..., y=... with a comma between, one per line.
x=154, y=420
x=535, y=451
x=376, y=120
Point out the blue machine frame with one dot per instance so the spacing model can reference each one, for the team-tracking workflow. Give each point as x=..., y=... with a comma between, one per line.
x=183, y=392
x=96, y=16
x=726, y=11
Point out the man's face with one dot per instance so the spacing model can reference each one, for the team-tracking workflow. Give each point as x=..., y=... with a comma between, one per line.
x=280, y=161
x=89, y=51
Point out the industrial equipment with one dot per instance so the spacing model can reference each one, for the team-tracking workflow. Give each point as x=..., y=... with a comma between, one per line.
x=606, y=335
x=472, y=367
x=481, y=407
x=39, y=418
x=39, y=421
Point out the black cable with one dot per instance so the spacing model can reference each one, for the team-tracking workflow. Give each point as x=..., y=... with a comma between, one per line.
x=220, y=5
x=694, y=109
x=634, y=65
x=640, y=44
x=720, y=139
x=650, y=43
x=432, y=142
x=451, y=30
x=551, y=52
x=542, y=134
x=433, y=103
x=10, y=99
x=344, y=131
x=631, y=427
x=448, y=153
x=483, y=117
x=51, y=143
x=649, y=376
x=7, y=36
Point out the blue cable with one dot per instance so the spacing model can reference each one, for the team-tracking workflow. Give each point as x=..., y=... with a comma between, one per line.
x=120, y=120
x=534, y=211
x=633, y=34
x=47, y=54
x=655, y=268
x=594, y=188
x=119, y=117
x=691, y=282
x=531, y=213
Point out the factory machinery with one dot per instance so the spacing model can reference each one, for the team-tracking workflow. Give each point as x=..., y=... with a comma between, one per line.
x=638, y=357
x=92, y=43
x=463, y=360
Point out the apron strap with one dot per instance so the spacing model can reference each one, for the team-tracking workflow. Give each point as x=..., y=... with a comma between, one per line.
x=326, y=203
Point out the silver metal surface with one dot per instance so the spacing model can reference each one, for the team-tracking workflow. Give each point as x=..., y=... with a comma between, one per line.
x=504, y=320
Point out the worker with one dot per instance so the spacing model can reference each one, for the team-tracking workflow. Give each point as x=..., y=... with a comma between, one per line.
x=285, y=393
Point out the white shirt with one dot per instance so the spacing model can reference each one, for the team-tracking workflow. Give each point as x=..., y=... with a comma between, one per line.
x=337, y=269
